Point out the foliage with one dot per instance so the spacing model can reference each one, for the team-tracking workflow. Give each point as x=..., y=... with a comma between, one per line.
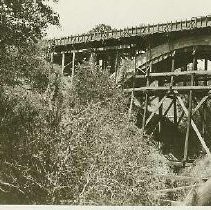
x=24, y=66
x=74, y=145
x=23, y=21
x=100, y=28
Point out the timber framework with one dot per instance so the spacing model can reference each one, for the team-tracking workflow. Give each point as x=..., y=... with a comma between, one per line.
x=168, y=61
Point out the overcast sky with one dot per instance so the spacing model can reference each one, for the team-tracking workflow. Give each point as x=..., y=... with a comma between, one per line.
x=78, y=16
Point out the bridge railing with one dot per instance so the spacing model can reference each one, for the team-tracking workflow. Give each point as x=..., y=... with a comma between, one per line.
x=195, y=22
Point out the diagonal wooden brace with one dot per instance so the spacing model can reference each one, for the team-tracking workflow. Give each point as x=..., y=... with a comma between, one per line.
x=153, y=113
x=195, y=127
x=203, y=100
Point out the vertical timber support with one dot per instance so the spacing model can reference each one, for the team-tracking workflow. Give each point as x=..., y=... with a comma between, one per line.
x=204, y=113
x=172, y=84
x=63, y=62
x=160, y=113
x=148, y=70
x=132, y=94
x=73, y=67
x=52, y=57
x=92, y=59
x=116, y=65
x=190, y=98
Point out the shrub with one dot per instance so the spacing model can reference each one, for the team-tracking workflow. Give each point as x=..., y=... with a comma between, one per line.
x=75, y=145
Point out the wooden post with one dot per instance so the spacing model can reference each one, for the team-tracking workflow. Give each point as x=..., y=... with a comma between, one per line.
x=195, y=68
x=172, y=68
x=104, y=65
x=116, y=65
x=204, y=120
x=92, y=59
x=172, y=84
x=184, y=68
x=132, y=94
x=189, y=113
x=52, y=57
x=175, y=111
x=63, y=62
x=195, y=128
x=160, y=113
x=146, y=97
x=73, y=68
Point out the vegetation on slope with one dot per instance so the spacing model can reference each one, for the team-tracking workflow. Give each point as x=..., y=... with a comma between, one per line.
x=74, y=145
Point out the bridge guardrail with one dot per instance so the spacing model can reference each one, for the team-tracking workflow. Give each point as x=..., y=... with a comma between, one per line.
x=195, y=22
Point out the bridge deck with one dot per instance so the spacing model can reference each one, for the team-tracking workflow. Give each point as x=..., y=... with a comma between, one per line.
x=193, y=23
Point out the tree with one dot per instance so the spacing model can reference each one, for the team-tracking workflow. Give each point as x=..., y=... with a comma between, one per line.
x=100, y=28
x=23, y=24
x=22, y=21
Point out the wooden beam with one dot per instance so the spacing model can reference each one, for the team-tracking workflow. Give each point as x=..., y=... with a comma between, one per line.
x=182, y=73
x=195, y=128
x=164, y=88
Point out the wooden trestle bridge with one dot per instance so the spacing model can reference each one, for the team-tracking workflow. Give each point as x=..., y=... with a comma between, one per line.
x=169, y=61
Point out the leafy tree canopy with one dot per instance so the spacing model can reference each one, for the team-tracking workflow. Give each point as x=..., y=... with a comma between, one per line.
x=22, y=21
x=100, y=28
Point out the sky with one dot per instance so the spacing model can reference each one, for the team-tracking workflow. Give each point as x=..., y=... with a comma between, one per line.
x=79, y=16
